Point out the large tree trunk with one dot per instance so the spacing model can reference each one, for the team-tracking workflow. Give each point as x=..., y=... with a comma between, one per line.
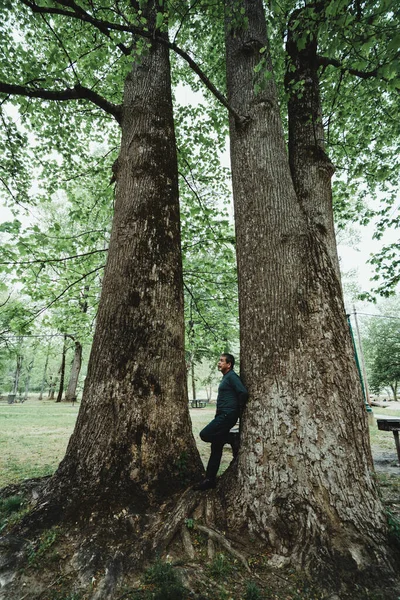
x=310, y=166
x=70, y=395
x=304, y=482
x=133, y=434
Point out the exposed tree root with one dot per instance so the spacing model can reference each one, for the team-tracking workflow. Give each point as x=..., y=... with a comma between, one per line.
x=165, y=527
x=220, y=539
x=52, y=584
x=187, y=543
x=106, y=552
x=209, y=515
x=188, y=504
x=113, y=575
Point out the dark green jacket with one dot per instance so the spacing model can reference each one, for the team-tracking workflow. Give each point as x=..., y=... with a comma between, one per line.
x=232, y=395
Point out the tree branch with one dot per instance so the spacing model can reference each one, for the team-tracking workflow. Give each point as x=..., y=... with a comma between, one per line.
x=240, y=119
x=81, y=15
x=325, y=61
x=106, y=26
x=210, y=329
x=78, y=92
x=59, y=40
x=42, y=310
x=51, y=260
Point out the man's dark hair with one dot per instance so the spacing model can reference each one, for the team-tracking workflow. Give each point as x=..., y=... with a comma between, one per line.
x=229, y=358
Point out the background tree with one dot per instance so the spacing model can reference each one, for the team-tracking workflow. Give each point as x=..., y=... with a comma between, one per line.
x=381, y=344
x=14, y=349
x=60, y=266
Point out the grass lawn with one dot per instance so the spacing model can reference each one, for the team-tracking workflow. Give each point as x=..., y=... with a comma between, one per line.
x=34, y=437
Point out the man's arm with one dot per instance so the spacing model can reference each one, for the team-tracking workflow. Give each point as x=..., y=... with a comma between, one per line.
x=240, y=390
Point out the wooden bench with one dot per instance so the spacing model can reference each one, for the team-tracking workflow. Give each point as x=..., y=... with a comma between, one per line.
x=198, y=403
x=391, y=424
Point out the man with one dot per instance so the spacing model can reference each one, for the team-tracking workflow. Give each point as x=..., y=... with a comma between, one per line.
x=232, y=396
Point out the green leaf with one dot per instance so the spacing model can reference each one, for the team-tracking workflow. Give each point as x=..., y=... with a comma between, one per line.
x=10, y=226
x=159, y=19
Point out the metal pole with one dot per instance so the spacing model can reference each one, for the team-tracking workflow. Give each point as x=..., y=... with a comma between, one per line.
x=364, y=371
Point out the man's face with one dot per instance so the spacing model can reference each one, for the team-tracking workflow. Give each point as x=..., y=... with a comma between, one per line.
x=223, y=366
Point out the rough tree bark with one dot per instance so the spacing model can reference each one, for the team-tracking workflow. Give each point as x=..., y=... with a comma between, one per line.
x=304, y=479
x=133, y=435
x=70, y=395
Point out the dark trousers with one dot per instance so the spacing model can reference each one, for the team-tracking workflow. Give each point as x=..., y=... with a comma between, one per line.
x=217, y=432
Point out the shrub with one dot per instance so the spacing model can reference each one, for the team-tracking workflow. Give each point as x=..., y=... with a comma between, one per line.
x=167, y=583
x=253, y=592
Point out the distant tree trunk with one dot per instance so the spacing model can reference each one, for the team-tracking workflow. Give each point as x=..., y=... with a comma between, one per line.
x=44, y=373
x=393, y=387
x=133, y=433
x=52, y=387
x=191, y=343
x=193, y=380
x=70, y=395
x=304, y=478
x=62, y=371
x=17, y=374
x=27, y=379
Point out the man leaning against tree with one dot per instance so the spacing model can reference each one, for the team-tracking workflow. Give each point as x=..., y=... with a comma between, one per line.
x=232, y=396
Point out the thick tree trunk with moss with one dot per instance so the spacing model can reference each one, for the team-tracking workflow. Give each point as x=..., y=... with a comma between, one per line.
x=304, y=479
x=133, y=434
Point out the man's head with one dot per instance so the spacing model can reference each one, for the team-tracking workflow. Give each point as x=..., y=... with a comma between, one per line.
x=226, y=363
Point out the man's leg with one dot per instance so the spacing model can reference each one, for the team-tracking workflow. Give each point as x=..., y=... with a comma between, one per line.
x=215, y=458
x=234, y=440
x=217, y=433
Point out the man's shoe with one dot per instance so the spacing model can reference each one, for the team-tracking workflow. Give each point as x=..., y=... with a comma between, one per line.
x=206, y=484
